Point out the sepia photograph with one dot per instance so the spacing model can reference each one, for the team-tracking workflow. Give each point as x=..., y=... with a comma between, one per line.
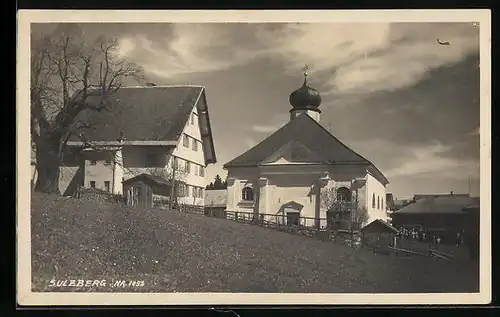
x=254, y=158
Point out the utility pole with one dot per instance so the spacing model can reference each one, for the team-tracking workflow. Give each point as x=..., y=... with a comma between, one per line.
x=172, y=189
x=469, y=185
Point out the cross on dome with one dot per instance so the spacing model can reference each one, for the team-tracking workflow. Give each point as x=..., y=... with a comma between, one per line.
x=305, y=97
x=305, y=69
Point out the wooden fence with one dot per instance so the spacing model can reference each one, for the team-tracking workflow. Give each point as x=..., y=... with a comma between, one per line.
x=273, y=219
x=306, y=226
x=193, y=209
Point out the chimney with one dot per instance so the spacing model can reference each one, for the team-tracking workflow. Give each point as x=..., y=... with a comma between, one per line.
x=122, y=137
x=150, y=84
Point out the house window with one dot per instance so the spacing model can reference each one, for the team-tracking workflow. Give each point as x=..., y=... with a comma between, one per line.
x=188, y=167
x=186, y=140
x=343, y=194
x=378, y=202
x=106, y=186
x=195, y=145
x=382, y=203
x=93, y=162
x=192, y=118
x=201, y=192
x=202, y=171
x=181, y=190
x=186, y=194
x=373, y=200
x=247, y=194
x=92, y=184
x=176, y=163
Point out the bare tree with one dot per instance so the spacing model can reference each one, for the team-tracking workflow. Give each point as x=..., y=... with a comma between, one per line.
x=343, y=209
x=360, y=215
x=68, y=76
x=166, y=173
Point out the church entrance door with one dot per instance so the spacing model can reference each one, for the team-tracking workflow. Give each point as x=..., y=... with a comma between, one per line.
x=292, y=218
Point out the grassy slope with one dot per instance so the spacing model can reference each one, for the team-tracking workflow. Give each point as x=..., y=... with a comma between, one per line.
x=172, y=251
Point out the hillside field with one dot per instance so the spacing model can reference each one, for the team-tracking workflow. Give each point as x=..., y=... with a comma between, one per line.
x=171, y=251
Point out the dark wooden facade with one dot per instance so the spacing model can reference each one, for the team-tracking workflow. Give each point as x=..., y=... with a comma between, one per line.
x=143, y=187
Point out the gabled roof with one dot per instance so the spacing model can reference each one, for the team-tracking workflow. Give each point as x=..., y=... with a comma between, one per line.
x=308, y=132
x=379, y=226
x=148, y=113
x=448, y=204
x=294, y=152
x=148, y=177
x=420, y=196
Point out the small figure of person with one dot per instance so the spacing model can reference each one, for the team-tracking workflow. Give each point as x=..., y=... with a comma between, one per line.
x=424, y=236
x=458, y=239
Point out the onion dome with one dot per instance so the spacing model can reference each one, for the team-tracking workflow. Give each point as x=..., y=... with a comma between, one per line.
x=305, y=97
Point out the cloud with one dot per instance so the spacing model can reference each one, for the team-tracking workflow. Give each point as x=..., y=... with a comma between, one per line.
x=264, y=128
x=429, y=161
x=363, y=58
x=250, y=143
x=344, y=58
x=474, y=133
x=189, y=48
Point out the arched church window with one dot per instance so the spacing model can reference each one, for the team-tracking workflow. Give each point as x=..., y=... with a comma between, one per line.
x=378, y=202
x=373, y=200
x=382, y=203
x=247, y=194
x=343, y=194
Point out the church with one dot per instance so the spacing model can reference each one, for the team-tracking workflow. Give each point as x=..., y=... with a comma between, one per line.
x=285, y=176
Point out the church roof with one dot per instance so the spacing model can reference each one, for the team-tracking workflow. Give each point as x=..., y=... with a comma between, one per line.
x=148, y=113
x=307, y=131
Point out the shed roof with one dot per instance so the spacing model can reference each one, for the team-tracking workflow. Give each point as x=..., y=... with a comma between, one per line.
x=160, y=181
x=379, y=226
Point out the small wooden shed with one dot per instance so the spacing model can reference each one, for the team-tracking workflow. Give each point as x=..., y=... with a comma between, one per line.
x=140, y=190
x=379, y=233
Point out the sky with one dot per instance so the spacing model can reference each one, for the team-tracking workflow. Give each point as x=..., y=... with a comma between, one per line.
x=390, y=91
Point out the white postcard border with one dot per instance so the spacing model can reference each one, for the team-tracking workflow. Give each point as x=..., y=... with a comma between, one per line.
x=26, y=297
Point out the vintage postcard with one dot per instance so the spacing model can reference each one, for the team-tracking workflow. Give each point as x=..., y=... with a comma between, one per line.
x=253, y=157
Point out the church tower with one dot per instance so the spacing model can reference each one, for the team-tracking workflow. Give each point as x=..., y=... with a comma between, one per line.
x=305, y=99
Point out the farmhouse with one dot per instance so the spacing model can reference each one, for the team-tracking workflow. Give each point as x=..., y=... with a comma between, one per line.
x=286, y=173
x=160, y=130
x=443, y=214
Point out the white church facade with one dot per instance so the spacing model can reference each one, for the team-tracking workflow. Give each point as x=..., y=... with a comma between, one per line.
x=288, y=172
